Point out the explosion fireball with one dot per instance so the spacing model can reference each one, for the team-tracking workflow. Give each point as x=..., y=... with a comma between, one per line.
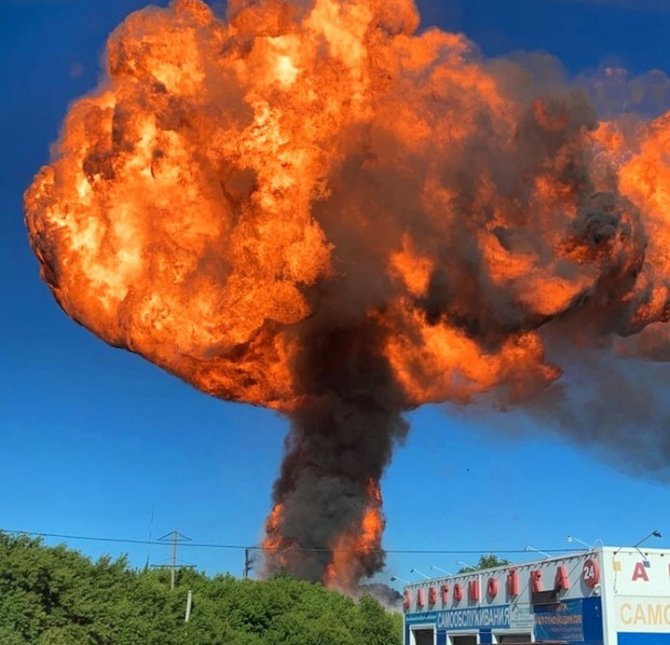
x=314, y=207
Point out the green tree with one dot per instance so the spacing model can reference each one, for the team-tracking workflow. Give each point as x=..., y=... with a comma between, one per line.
x=489, y=561
x=373, y=626
x=56, y=596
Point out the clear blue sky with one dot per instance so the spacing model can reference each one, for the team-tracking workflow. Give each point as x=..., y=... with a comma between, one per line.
x=93, y=439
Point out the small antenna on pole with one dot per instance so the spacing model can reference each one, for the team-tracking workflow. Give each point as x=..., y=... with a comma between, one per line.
x=151, y=530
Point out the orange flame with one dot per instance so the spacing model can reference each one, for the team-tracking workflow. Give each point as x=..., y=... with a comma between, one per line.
x=181, y=221
x=351, y=546
x=235, y=189
x=275, y=545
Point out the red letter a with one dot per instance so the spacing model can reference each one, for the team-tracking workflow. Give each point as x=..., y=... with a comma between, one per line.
x=640, y=572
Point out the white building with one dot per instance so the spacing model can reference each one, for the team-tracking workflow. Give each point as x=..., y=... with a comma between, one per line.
x=606, y=596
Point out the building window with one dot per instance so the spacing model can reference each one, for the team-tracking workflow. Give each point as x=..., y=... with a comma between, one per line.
x=513, y=639
x=422, y=637
x=464, y=639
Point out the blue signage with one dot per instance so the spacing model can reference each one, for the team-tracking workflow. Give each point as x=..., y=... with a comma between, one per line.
x=422, y=617
x=494, y=617
x=642, y=639
x=564, y=621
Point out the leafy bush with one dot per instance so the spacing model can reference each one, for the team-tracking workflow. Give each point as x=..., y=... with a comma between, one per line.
x=56, y=596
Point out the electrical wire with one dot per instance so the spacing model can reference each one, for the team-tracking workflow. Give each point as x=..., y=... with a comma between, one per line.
x=241, y=547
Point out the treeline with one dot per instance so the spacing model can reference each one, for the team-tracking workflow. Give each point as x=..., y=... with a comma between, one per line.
x=56, y=596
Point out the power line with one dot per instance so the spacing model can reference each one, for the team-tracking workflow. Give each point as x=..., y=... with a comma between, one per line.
x=242, y=547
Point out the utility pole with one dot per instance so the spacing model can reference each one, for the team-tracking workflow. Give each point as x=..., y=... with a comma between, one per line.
x=248, y=562
x=189, y=604
x=174, y=537
x=173, y=568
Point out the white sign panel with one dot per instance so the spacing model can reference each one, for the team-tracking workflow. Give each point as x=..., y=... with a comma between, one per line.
x=640, y=573
x=643, y=614
x=521, y=617
x=641, y=586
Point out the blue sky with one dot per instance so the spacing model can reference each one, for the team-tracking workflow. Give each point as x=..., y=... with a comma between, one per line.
x=94, y=441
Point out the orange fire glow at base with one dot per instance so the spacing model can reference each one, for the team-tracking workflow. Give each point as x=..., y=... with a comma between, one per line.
x=354, y=545
x=315, y=208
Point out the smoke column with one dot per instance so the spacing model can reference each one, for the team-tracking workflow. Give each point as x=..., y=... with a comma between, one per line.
x=312, y=206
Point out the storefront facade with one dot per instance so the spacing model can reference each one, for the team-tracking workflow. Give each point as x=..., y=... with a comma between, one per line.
x=607, y=596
